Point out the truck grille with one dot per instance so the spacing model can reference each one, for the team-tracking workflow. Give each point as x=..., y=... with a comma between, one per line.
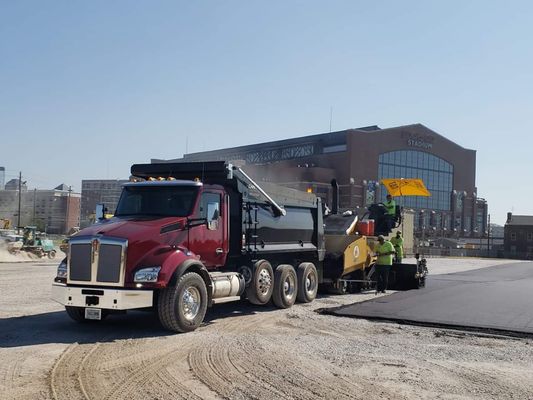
x=97, y=261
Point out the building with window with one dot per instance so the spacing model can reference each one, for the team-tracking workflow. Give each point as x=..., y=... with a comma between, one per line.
x=13, y=184
x=359, y=158
x=95, y=191
x=54, y=211
x=518, y=236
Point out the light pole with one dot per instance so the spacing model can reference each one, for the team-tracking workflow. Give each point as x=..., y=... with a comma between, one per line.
x=34, y=199
x=20, y=201
x=68, y=209
x=488, y=237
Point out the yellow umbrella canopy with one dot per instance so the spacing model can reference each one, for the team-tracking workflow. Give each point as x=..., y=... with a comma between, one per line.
x=405, y=187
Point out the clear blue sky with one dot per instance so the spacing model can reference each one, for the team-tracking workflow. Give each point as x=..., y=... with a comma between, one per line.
x=88, y=88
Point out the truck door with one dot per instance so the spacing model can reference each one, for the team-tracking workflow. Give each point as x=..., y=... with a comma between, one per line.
x=210, y=241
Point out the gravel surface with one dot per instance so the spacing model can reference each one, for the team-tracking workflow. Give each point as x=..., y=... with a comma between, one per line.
x=246, y=352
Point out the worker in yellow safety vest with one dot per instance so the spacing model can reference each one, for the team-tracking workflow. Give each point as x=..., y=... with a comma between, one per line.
x=397, y=242
x=384, y=251
x=390, y=214
x=390, y=205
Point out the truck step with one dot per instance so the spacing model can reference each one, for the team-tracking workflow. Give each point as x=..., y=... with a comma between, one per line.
x=226, y=299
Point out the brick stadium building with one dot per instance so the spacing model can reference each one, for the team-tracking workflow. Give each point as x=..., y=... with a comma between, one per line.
x=360, y=158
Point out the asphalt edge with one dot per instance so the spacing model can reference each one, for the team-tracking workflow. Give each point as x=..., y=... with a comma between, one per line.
x=478, y=331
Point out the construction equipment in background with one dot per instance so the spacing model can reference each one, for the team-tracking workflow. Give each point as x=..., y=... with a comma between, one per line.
x=35, y=244
x=14, y=242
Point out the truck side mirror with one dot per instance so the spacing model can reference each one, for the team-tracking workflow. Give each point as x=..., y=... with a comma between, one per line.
x=100, y=211
x=212, y=216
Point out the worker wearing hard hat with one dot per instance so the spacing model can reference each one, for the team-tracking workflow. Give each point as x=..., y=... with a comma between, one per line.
x=384, y=251
x=397, y=242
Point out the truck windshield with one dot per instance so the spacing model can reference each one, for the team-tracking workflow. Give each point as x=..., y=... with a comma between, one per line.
x=165, y=201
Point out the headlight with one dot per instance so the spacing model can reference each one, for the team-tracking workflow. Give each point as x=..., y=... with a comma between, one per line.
x=62, y=270
x=149, y=274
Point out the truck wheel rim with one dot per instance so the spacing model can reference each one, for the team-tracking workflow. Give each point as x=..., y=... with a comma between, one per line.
x=265, y=281
x=190, y=303
x=289, y=287
x=310, y=283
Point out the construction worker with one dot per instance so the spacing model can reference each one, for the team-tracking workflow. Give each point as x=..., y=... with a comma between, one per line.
x=390, y=206
x=397, y=242
x=390, y=213
x=384, y=251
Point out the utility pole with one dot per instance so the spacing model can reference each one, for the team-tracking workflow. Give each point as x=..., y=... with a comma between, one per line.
x=34, y=200
x=68, y=209
x=20, y=201
x=488, y=237
x=330, y=117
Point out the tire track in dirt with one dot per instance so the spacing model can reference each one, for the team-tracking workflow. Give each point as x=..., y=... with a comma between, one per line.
x=319, y=380
x=144, y=378
x=174, y=386
x=111, y=371
x=478, y=381
x=261, y=356
x=64, y=377
x=239, y=366
x=10, y=374
x=214, y=369
x=147, y=376
x=112, y=363
x=211, y=363
x=81, y=369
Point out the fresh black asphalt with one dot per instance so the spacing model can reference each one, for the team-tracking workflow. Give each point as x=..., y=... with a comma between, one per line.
x=498, y=298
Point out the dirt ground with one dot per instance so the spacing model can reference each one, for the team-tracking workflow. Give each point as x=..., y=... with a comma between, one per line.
x=246, y=352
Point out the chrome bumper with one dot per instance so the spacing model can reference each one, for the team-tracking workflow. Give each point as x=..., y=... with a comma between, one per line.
x=111, y=299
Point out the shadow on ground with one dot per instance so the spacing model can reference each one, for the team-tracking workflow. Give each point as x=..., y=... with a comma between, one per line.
x=57, y=327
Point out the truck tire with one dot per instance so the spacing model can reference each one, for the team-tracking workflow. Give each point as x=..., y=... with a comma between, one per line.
x=78, y=314
x=52, y=254
x=418, y=283
x=285, y=286
x=261, y=286
x=182, y=307
x=339, y=288
x=307, y=282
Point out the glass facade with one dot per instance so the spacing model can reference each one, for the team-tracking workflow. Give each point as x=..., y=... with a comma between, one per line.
x=436, y=173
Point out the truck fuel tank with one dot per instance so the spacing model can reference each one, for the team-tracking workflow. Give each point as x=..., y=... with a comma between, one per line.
x=227, y=286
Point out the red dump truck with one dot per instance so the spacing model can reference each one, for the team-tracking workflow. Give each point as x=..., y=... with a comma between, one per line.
x=186, y=236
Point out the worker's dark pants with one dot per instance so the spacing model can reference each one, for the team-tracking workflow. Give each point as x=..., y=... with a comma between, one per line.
x=382, y=272
x=390, y=221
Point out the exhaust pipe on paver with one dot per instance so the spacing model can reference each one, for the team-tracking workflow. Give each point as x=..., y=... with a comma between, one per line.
x=335, y=205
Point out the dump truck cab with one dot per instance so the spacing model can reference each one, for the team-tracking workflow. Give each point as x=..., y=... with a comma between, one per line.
x=189, y=215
